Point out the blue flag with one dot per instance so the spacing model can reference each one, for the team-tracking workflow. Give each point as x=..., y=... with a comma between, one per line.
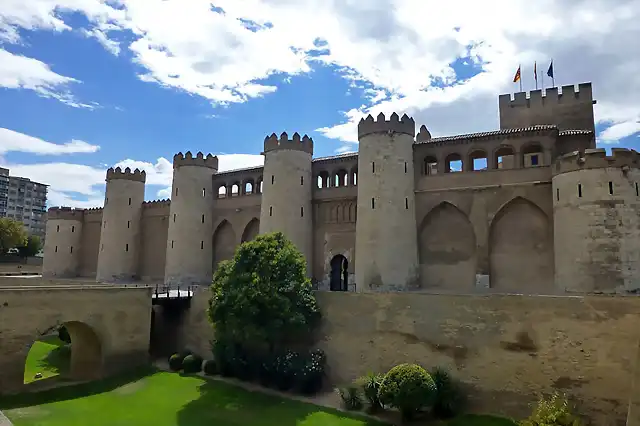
x=550, y=70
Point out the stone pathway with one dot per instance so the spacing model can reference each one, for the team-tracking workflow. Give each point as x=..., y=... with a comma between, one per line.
x=4, y=421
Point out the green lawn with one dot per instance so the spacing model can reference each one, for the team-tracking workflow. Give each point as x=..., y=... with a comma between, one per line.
x=169, y=399
x=48, y=356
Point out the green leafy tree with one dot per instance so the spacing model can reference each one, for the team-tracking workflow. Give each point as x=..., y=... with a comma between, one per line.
x=261, y=298
x=12, y=234
x=31, y=248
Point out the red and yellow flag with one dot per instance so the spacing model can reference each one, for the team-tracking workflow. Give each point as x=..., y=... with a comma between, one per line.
x=516, y=78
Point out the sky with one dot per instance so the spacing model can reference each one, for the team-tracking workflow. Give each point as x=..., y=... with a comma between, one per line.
x=89, y=84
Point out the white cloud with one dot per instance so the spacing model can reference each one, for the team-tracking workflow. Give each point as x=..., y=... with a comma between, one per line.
x=396, y=48
x=12, y=141
x=21, y=72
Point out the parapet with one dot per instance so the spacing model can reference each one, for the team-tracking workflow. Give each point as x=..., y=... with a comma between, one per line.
x=156, y=203
x=117, y=173
x=304, y=143
x=622, y=158
x=569, y=95
x=424, y=135
x=405, y=125
x=65, y=213
x=210, y=161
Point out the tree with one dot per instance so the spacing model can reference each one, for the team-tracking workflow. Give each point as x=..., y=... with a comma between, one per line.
x=262, y=299
x=12, y=234
x=31, y=248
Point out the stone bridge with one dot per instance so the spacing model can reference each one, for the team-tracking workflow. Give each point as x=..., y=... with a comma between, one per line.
x=109, y=328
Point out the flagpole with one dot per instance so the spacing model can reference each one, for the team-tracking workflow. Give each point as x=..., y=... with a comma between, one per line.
x=535, y=73
x=553, y=75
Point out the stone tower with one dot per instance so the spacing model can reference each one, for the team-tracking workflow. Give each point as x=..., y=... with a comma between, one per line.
x=287, y=190
x=120, y=234
x=190, y=236
x=62, y=245
x=386, y=241
x=596, y=213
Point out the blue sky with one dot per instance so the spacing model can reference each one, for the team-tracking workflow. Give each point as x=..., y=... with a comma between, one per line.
x=88, y=84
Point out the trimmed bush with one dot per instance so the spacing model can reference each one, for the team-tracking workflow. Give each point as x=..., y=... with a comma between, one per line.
x=210, y=367
x=192, y=364
x=371, y=387
x=449, y=400
x=310, y=375
x=409, y=388
x=350, y=396
x=554, y=411
x=175, y=362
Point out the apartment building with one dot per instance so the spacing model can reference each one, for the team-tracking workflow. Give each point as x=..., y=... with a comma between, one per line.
x=24, y=200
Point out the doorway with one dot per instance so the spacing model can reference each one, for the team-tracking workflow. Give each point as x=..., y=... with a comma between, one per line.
x=339, y=273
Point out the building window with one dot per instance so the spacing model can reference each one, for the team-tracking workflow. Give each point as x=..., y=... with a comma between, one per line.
x=637, y=189
x=270, y=211
x=171, y=243
x=373, y=167
x=129, y=200
x=301, y=180
x=71, y=249
x=406, y=203
x=128, y=224
x=301, y=211
x=405, y=167
x=176, y=192
x=373, y=203
x=557, y=194
x=73, y=228
x=201, y=245
x=534, y=160
x=610, y=188
x=174, y=218
x=202, y=218
x=204, y=192
x=56, y=249
x=126, y=247
x=58, y=228
x=579, y=190
x=273, y=179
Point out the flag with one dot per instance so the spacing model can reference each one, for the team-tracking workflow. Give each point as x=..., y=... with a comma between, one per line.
x=535, y=70
x=516, y=78
x=550, y=70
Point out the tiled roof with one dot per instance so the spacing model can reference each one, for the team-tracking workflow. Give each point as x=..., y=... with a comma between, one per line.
x=492, y=133
x=335, y=157
x=575, y=132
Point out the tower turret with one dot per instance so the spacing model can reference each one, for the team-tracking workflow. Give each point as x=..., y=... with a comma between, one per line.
x=596, y=206
x=120, y=234
x=287, y=190
x=190, y=235
x=62, y=245
x=386, y=241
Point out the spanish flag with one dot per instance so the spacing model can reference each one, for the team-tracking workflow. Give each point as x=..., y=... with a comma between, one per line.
x=516, y=78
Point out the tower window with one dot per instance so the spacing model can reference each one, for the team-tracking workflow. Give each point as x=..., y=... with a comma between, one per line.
x=373, y=167
x=558, y=194
x=301, y=180
x=126, y=247
x=171, y=243
x=58, y=228
x=373, y=203
x=579, y=190
x=610, y=188
x=270, y=211
x=56, y=249
x=405, y=167
x=174, y=218
x=176, y=192
x=301, y=211
x=204, y=192
x=637, y=189
x=202, y=218
x=201, y=245
x=128, y=224
x=129, y=200
x=71, y=249
x=406, y=203
x=73, y=228
x=534, y=160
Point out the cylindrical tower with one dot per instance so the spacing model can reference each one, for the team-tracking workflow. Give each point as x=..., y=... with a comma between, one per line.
x=386, y=241
x=62, y=243
x=190, y=237
x=287, y=190
x=596, y=215
x=120, y=234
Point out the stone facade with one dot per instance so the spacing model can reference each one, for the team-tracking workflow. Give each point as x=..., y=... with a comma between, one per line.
x=485, y=212
x=109, y=327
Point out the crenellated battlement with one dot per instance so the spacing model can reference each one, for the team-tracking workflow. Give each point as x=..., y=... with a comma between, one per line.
x=568, y=95
x=597, y=159
x=210, y=161
x=117, y=173
x=156, y=203
x=304, y=143
x=395, y=124
x=65, y=213
x=424, y=135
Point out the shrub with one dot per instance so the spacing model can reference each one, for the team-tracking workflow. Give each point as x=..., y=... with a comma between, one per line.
x=409, y=388
x=554, y=411
x=311, y=370
x=63, y=334
x=192, y=364
x=175, y=362
x=350, y=396
x=371, y=387
x=449, y=399
x=210, y=367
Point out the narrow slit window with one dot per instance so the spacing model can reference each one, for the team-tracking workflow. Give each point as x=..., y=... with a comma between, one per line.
x=58, y=228
x=301, y=211
x=637, y=193
x=176, y=192
x=557, y=194
x=579, y=190
x=171, y=243
x=405, y=167
x=129, y=201
x=204, y=192
x=406, y=203
x=202, y=218
x=128, y=224
x=301, y=180
x=56, y=249
x=126, y=247
x=71, y=249
x=174, y=217
x=270, y=211
x=373, y=203
x=201, y=245
x=73, y=228
x=273, y=179
x=610, y=188
x=373, y=167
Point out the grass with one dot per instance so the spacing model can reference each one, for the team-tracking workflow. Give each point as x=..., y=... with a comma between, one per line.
x=49, y=356
x=169, y=399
